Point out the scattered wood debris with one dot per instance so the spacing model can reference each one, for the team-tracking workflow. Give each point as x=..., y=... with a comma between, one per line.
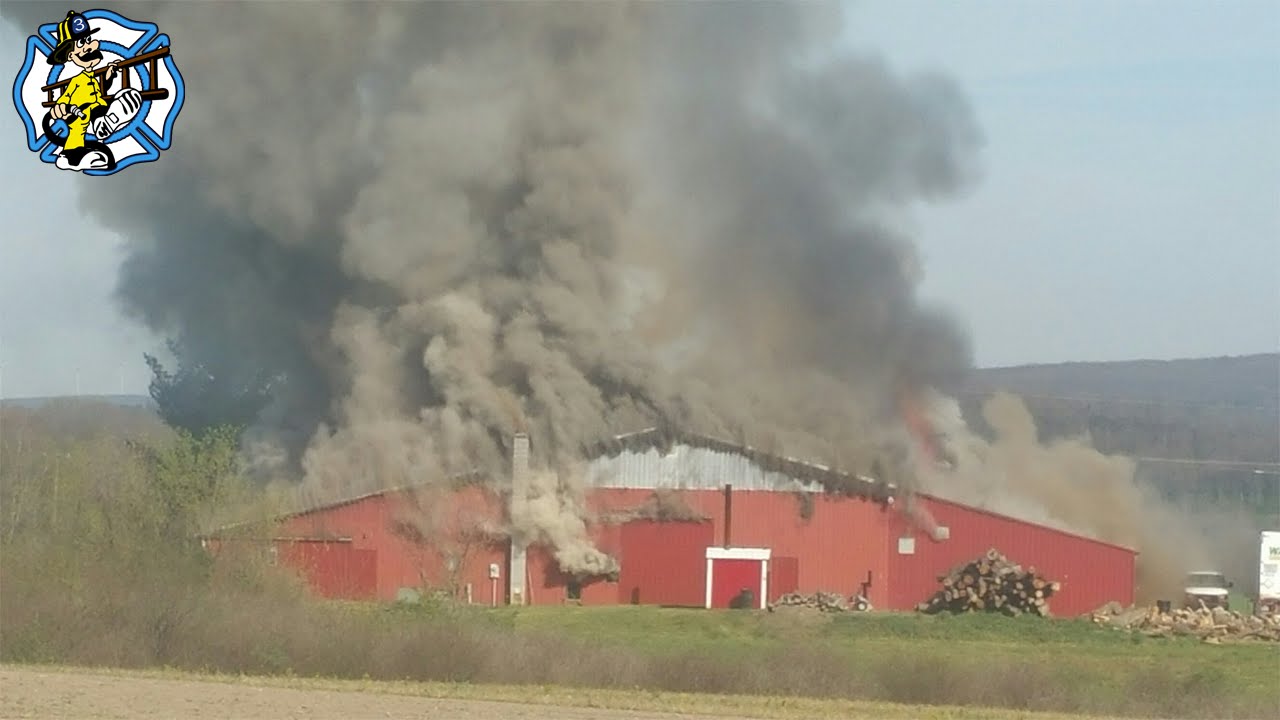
x=1212, y=625
x=992, y=583
x=823, y=601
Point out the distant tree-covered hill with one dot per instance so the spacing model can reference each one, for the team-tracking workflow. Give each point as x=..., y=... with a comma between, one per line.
x=1205, y=431
x=1250, y=381
x=1224, y=409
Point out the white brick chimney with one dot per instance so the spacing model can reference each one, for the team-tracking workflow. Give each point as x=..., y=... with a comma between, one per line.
x=516, y=578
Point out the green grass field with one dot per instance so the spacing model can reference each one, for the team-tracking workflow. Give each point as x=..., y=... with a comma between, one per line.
x=1025, y=663
x=785, y=659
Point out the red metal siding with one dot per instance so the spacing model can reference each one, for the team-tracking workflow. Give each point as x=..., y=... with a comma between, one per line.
x=818, y=543
x=1092, y=573
x=784, y=576
x=371, y=524
x=729, y=577
x=664, y=563
x=333, y=569
x=840, y=542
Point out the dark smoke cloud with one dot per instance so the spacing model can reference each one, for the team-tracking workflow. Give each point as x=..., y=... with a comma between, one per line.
x=446, y=222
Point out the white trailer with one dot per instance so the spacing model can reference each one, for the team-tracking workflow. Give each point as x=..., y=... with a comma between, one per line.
x=1269, y=573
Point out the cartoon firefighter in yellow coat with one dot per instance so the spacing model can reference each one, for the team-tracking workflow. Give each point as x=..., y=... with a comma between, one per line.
x=84, y=104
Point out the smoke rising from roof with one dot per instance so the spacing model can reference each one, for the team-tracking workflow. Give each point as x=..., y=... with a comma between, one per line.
x=1066, y=484
x=440, y=217
x=442, y=223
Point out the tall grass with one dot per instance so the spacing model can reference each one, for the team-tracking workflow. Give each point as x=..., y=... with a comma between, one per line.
x=235, y=621
x=105, y=572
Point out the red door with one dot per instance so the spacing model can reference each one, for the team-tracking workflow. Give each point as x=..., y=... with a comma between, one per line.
x=663, y=563
x=729, y=577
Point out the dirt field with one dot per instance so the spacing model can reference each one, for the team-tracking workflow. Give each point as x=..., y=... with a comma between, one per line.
x=49, y=692
x=28, y=693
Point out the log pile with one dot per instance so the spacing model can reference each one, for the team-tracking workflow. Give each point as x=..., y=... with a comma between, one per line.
x=1212, y=625
x=823, y=601
x=992, y=583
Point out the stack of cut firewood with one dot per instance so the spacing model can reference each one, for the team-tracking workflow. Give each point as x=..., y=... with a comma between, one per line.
x=1212, y=625
x=992, y=583
x=824, y=601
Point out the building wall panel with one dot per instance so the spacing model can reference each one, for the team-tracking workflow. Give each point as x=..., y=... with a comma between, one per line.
x=840, y=541
x=381, y=523
x=784, y=576
x=664, y=563
x=332, y=569
x=850, y=545
x=1092, y=573
x=847, y=545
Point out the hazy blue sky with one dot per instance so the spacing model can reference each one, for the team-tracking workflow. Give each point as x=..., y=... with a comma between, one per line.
x=1129, y=203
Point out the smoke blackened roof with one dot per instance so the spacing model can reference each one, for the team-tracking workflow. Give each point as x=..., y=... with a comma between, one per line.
x=836, y=482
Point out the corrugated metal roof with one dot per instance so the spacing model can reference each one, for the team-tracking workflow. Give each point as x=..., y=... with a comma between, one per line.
x=683, y=467
x=660, y=458
x=457, y=480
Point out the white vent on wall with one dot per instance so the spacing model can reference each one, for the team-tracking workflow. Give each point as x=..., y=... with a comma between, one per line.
x=906, y=546
x=942, y=532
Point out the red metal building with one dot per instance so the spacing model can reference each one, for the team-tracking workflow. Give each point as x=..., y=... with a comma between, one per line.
x=780, y=512
x=1092, y=572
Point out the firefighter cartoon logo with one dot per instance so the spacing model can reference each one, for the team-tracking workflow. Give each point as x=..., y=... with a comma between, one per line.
x=98, y=92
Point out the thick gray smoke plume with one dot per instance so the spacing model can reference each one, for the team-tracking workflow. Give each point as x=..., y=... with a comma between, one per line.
x=1070, y=485
x=444, y=223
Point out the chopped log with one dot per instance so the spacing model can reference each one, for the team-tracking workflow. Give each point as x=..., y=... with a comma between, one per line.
x=991, y=583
